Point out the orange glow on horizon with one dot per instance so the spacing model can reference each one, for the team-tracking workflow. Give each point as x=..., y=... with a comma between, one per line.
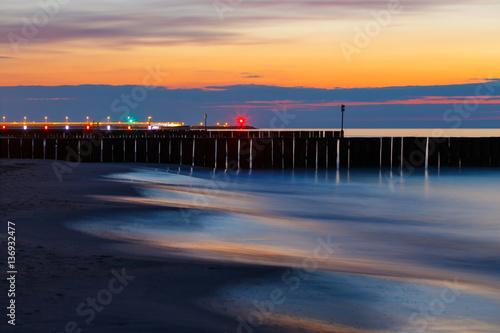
x=309, y=68
x=418, y=50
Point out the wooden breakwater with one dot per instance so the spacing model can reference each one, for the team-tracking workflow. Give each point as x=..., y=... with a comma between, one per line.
x=251, y=149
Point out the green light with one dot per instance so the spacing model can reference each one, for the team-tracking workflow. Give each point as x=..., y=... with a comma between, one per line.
x=130, y=119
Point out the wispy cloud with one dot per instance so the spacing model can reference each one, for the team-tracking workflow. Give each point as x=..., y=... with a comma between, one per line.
x=172, y=22
x=50, y=99
x=490, y=79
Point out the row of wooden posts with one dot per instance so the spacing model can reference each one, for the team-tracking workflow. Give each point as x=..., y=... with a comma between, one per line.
x=264, y=153
x=162, y=134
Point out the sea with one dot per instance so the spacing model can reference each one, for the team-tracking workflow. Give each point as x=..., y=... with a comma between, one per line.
x=363, y=250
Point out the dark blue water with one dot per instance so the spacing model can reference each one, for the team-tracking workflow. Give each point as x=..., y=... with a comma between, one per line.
x=409, y=233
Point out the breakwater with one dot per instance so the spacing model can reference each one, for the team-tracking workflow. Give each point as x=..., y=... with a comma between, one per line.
x=245, y=149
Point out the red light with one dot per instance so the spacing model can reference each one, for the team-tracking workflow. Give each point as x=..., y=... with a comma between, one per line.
x=129, y=128
x=3, y=127
x=46, y=127
x=88, y=127
x=241, y=121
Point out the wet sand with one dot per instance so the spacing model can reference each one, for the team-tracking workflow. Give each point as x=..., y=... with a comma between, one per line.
x=60, y=268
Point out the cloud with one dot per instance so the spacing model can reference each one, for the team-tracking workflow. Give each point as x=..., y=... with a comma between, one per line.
x=50, y=99
x=176, y=22
x=127, y=35
x=490, y=79
x=407, y=106
x=2, y=57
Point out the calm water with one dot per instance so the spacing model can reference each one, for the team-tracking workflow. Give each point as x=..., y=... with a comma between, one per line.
x=392, y=241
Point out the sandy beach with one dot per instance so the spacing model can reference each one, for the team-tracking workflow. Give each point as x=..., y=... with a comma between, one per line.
x=60, y=268
x=92, y=258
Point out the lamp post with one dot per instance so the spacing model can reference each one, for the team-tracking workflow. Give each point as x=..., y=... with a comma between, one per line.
x=45, y=119
x=66, y=120
x=149, y=120
x=108, y=119
x=3, y=119
x=342, y=109
x=24, y=119
x=87, y=120
x=205, y=122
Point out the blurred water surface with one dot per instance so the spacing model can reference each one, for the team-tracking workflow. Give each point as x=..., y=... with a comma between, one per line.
x=430, y=227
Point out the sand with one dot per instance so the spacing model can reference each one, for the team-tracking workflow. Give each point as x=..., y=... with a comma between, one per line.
x=59, y=269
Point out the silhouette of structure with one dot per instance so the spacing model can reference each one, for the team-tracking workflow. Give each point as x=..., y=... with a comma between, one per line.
x=249, y=149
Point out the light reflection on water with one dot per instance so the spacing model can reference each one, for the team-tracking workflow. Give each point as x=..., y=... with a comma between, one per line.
x=429, y=220
x=430, y=226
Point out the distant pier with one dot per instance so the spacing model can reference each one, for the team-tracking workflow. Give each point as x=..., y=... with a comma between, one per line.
x=249, y=149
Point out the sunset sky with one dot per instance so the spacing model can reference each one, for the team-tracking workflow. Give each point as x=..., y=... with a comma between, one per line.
x=199, y=44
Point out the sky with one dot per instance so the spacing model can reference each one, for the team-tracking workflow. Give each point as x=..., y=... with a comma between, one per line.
x=178, y=59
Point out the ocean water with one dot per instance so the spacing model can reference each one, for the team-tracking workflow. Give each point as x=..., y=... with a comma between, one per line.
x=368, y=249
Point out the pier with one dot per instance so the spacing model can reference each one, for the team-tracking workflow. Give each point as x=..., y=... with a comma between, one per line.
x=249, y=149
